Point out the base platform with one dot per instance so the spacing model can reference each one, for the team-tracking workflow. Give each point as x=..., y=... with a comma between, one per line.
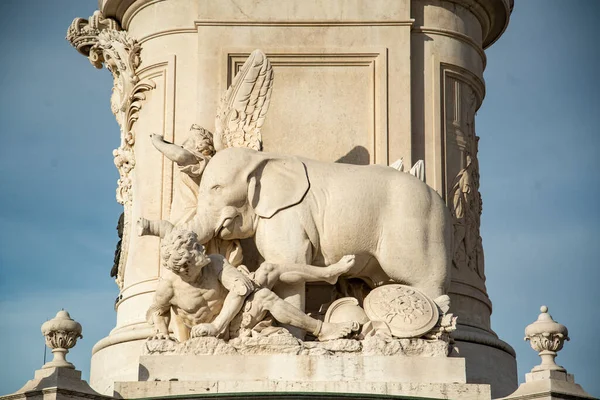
x=293, y=376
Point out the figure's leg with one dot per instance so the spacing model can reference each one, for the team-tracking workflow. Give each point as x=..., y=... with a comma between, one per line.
x=287, y=314
x=268, y=274
x=182, y=332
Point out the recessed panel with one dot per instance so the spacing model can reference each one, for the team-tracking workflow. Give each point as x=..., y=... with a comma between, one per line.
x=323, y=106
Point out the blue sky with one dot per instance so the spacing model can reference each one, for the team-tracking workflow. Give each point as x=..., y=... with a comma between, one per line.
x=539, y=128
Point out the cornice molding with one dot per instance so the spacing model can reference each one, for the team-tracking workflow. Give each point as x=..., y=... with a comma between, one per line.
x=493, y=15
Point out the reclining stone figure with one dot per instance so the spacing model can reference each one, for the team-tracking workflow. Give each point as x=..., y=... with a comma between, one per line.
x=206, y=293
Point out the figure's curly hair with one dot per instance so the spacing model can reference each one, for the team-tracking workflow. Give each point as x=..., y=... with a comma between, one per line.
x=178, y=248
x=202, y=141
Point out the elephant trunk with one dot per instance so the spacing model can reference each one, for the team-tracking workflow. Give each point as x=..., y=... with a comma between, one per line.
x=201, y=228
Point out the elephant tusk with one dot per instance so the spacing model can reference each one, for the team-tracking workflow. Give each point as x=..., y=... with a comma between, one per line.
x=225, y=224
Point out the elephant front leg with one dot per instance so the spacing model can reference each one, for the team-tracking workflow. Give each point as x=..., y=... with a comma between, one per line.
x=293, y=247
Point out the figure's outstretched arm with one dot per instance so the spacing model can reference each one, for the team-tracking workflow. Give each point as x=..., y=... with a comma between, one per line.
x=231, y=307
x=154, y=228
x=239, y=287
x=159, y=313
x=173, y=152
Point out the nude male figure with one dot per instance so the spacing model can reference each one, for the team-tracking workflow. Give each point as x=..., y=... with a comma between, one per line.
x=207, y=292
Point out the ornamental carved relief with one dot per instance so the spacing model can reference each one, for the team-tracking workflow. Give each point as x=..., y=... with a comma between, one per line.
x=407, y=311
x=463, y=196
x=105, y=44
x=61, y=334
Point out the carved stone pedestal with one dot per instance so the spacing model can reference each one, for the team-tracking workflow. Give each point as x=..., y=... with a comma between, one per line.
x=176, y=375
x=549, y=385
x=55, y=384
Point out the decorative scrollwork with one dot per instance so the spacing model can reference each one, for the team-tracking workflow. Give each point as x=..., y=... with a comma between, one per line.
x=547, y=342
x=83, y=33
x=105, y=44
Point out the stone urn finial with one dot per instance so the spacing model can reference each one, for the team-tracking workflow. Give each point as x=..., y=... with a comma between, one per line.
x=547, y=337
x=61, y=334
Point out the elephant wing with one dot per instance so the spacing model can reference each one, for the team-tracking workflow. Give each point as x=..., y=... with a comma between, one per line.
x=244, y=105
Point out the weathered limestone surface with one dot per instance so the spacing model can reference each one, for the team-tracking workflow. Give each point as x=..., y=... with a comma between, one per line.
x=325, y=390
x=442, y=377
x=549, y=385
x=54, y=384
x=287, y=344
x=366, y=81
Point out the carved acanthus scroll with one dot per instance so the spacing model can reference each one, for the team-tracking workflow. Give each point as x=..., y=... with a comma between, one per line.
x=105, y=44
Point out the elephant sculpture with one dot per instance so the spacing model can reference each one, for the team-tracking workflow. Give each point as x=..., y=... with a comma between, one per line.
x=305, y=211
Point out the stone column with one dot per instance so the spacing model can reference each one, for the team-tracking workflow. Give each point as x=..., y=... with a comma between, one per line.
x=447, y=42
x=362, y=81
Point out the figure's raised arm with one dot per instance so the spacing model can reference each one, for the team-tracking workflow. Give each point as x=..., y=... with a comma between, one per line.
x=173, y=152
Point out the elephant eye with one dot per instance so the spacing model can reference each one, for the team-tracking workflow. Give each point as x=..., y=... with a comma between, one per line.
x=216, y=188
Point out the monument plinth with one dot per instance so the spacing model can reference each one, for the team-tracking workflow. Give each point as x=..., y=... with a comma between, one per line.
x=366, y=82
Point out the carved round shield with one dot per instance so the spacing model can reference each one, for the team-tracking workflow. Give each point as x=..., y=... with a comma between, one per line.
x=407, y=311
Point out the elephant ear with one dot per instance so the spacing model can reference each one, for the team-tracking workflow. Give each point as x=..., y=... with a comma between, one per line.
x=276, y=184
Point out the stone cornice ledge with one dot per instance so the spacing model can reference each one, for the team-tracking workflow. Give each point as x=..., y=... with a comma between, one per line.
x=495, y=18
x=244, y=13
x=494, y=15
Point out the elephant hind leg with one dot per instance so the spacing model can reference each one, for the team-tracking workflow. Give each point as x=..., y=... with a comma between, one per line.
x=431, y=289
x=423, y=270
x=369, y=270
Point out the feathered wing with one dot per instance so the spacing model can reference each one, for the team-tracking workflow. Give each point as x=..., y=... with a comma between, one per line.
x=418, y=170
x=244, y=105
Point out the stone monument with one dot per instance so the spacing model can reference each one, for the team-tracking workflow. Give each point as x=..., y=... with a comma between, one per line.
x=340, y=259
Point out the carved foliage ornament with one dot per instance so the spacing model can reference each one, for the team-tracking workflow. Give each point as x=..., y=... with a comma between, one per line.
x=61, y=334
x=83, y=33
x=104, y=43
x=547, y=337
x=464, y=198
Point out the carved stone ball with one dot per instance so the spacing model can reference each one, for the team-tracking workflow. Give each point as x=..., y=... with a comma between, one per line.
x=62, y=331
